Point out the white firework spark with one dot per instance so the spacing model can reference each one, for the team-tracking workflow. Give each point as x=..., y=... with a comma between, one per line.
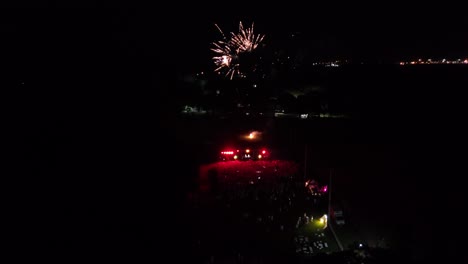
x=227, y=50
x=246, y=40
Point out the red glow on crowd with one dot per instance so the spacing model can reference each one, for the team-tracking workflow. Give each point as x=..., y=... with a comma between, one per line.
x=235, y=171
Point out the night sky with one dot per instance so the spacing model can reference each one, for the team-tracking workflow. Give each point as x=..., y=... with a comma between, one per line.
x=182, y=36
x=94, y=93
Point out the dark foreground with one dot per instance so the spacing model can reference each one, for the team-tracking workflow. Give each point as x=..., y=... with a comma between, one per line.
x=112, y=162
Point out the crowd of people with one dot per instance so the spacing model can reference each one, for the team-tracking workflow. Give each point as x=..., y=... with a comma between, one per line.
x=251, y=206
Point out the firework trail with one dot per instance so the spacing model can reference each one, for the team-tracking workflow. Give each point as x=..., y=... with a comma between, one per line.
x=222, y=33
x=229, y=51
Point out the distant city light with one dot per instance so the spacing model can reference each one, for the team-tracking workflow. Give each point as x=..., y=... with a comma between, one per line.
x=431, y=61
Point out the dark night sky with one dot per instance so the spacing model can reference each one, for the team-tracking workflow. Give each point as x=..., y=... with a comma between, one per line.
x=352, y=31
x=75, y=103
x=174, y=34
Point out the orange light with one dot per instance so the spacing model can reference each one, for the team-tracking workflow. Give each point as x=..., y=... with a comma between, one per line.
x=259, y=156
x=247, y=151
x=251, y=135
x=235, y=156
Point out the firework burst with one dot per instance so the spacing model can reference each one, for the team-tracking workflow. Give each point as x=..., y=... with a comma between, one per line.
x=229, y=52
